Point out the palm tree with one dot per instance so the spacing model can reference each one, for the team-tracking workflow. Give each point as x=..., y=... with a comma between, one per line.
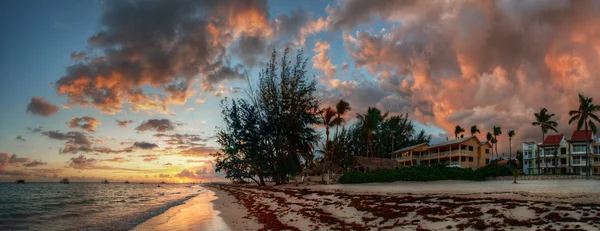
x=458, y=130
x=341, y=108
x=544, y=121
x=328, y=115
x=490, y=138
x=474, y=130
x=370, y=121
x=585, y=118
x=511, y=133
x=497, y=132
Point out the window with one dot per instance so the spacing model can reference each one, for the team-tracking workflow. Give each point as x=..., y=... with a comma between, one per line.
x=563, y=150
x=462, y=158
x=576, y=160
x=487, y=161
x=595, y=170
x=579, y=148
x=596, y=159
x=470, y=148
x=470, y=159
x=487, y=151
x=563, y=161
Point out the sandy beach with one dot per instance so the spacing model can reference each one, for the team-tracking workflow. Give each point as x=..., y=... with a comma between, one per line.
x=445, y=205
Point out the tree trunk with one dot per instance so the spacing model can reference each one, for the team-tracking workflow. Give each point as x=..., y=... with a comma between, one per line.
x=326, y=151
x=538, y=153
x=587, y=152
x=262, y=180
x=509, y=148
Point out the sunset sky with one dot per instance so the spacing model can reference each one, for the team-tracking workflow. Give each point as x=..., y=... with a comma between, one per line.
x=130, y=90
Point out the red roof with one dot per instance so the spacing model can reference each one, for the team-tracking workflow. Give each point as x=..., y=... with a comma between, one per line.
x=581, y=135
x=553, y=139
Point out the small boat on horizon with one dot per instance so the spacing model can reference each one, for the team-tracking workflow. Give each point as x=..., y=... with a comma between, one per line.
x=126, y=182
x=20, y=182
x=105, y=181
x=65, y=181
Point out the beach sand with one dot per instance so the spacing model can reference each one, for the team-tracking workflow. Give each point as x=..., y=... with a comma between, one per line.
x=196, y=213
x=443, y=205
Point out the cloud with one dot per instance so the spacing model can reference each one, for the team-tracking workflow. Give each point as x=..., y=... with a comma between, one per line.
x=173, y=44
x=201, y=151
x=164, y=175
x=41, y=107
x=76, y=142
x=196, y=174
x=167, y=164
x=116, y=159
x=159, y=125
x=481, y=63
x=124, y=123
x=86, y=123
x=20, y=138
x=7, y=159
x=35, y=163
x=82, y=162
x=321, y=61
x=150, y=157
x=181, y=139
x=145, y=145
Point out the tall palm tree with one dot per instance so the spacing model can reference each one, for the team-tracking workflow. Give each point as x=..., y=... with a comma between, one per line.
x=340, y=109
x=544, y=120
x=497, y=132
x=511, y=133
x=490, y=138
x=328, y=116
x=458, y=130
x=370, y=121
x=585, y=118
x=474, y=130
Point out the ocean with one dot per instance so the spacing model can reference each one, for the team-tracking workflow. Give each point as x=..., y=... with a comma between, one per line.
x=86, y=206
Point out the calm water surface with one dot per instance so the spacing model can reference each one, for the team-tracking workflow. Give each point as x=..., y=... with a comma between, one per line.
x=86, y=206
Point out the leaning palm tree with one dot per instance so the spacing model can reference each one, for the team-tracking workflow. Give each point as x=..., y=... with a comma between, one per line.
x=497, y=132
x=511, y=133
x=545, y=122
x=458, y=130
x=474, y=130
x=490, y=138
x=370, y=121
x=328, y=115
x=585, y=118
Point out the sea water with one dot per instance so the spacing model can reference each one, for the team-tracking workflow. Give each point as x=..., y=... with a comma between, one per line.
x=86, y=206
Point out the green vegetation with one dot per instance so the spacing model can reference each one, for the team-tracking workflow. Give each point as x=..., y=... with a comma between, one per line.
x=544, y=120
x=412, y=173
x=585, y=118
x=494, y=169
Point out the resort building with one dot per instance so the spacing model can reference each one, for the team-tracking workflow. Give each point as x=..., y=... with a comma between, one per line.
x=557, y=154
x=467, y=152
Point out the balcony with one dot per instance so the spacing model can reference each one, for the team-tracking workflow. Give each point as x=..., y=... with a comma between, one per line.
x=403, y=158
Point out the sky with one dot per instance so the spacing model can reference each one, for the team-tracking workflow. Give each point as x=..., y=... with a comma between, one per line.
x=130, y=90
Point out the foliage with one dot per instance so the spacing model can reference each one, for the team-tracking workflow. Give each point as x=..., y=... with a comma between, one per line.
x=457, y=131
x=412, y=173
x=494, y=170
x=475, y=129
x=585, y=118
x=543, y=119
x=271, y=133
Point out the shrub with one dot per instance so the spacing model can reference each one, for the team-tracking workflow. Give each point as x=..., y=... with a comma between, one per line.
x=412, y=173
x=494, y=170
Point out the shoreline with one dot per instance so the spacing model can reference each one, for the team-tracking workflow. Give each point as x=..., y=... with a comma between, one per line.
x=450, y=205
x=196, y=213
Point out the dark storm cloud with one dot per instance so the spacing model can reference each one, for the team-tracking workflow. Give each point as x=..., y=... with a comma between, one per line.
x=41, y=107
x=159, y=125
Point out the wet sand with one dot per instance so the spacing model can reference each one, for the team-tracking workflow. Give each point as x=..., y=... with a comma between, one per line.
x=444, y=205
x=196, y=213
